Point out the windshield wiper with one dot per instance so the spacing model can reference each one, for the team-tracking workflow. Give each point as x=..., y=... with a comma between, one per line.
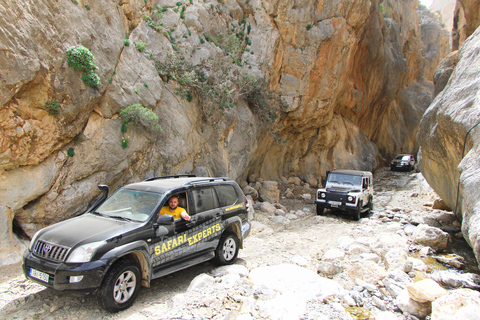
x=99, y=213
x=120, y=217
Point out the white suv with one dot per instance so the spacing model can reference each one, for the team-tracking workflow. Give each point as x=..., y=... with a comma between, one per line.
x=347, y=190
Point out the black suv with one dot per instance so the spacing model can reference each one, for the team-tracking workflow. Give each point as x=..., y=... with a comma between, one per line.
x=121, y=242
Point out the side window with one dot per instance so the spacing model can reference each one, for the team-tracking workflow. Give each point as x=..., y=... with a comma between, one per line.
x=227, y=195
x=204, y=199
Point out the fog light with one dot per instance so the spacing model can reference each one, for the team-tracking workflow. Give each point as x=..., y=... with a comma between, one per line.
x=75, y=279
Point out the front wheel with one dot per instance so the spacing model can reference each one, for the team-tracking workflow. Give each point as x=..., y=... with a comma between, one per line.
x=120, y=287
x=358, y=211
x=320, y=209
x=227, y=249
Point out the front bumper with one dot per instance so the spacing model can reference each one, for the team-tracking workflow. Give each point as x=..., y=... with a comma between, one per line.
x=342, y=205
x=59, y=273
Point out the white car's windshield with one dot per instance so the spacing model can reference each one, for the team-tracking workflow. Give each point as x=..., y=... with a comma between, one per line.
x=345, y=179
x=129, y=205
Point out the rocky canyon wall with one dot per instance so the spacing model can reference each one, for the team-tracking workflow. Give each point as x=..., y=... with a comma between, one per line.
x=450, y=158
x=355, y=77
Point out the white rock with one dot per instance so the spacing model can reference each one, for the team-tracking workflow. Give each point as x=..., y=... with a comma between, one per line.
x=461, y=304
x=406, y=304
x=294, y=285
x=333, y=254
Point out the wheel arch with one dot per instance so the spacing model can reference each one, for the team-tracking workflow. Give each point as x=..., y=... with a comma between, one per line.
x=136, y=252
x=233, y=225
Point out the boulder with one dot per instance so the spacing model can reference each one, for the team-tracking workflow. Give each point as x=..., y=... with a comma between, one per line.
x=431, y=237
x=425, y=290
x=367, y=271
x=269, y=191
x=457, y=304
x=408, y=305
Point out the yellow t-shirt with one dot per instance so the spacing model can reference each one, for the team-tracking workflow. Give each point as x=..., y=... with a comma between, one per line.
x=175, y=213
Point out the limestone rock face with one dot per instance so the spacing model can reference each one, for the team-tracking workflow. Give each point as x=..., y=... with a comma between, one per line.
x=442, y=134
x=466, y=19
x=356, y=79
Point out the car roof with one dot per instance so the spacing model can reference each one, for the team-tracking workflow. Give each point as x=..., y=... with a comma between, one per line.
x=403, y=154
x=165, y=184
x=355, y=172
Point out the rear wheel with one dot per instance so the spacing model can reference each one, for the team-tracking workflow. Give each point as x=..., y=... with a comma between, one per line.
x=227, y=249
x=370, y=204
x=320, y=209
x=120, y=287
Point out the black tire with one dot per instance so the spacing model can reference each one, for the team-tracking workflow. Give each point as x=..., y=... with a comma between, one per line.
x=357, y=214
x=120, y=287
x=370, y=204
x=320, y=209
x=227, y=249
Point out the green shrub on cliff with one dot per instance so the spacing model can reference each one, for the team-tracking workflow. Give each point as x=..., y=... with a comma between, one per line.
x=80, y=58
x=52, y=107
x=138, y=115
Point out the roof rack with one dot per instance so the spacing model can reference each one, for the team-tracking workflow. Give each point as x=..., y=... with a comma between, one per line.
x=169, y=177
x=206, y=180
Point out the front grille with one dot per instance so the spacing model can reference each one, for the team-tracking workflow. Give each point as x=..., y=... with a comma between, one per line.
x=50, y=251
x=336, y=196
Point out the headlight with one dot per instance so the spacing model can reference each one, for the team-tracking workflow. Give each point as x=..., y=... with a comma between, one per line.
x=84, y=253
x=323, y=195
x=350, y=198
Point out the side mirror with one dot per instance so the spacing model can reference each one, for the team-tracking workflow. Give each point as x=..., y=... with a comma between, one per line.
x=165, y=219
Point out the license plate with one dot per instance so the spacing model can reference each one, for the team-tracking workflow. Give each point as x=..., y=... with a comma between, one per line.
x=335, y=203
x=39, y=275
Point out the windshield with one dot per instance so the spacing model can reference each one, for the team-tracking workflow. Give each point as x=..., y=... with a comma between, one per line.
x=340, y=178
x=402, y=157
x=129, y=205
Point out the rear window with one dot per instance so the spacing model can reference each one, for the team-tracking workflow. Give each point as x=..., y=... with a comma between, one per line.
x=227, y=195
x=204, y=199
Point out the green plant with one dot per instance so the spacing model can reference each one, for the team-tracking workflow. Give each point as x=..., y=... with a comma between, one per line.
x=52, y=107
x=182, y=13
x=202, y=40
x=91, y=79
x=144, y=118
x=179, y=3
x=191, y=1
x=70, y=152
x=309, y=26
x=189, y=32
x=126, y=42
x=145, y=85
x=275, y=15
x=175, y=10
x=155, y=19
x=123, y=128
x=80, y=58
x=140, y=45
x=382, y=9
x=75, y=1
x=87, y=7
x=124, y=143
x=136, y=91
x=110, y=80
x=223, y=87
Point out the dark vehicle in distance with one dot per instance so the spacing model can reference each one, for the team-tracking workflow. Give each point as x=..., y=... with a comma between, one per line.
x=402, y=162
x=121, y=242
